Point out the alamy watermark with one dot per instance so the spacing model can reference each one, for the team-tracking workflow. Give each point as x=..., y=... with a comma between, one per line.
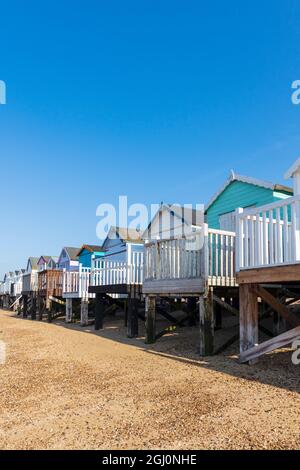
x=168, y=220
x=2, y=92
x=295, y=97
x=296, y=353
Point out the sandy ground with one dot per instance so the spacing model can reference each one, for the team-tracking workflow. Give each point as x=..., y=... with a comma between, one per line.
x=64, y=387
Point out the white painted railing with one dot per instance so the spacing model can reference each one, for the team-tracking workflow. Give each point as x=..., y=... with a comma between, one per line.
x=77, y=282
x=269, y=235
x=207, y=254
x=221, y=253
x=109, y=273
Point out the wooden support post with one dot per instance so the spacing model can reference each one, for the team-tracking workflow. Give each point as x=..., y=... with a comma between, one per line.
x=217, y=315
x=291, y=318
x=69, y=310
x=133, y=319
x=150, y=319
x=191, y=307
x=33, y=308
x=84, y=312
x=276, y=323
x=248, y=317
x=126, y=313
x=99, y=312
x=40, y=308
x=25, y=306
x=206, y=324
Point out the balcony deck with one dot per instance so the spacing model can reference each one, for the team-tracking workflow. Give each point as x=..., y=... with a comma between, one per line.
x=113, y=277
x=269, y=243
x=76, y=284
x=188, y=266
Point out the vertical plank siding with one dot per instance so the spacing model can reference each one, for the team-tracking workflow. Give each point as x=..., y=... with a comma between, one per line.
x=30, y=282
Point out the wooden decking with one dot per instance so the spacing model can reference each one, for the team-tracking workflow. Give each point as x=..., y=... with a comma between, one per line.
x=271, y=274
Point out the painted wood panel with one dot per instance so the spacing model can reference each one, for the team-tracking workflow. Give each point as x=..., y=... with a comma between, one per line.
x=240, y=194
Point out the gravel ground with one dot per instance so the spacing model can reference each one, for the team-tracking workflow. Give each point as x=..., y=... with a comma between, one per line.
x=64, y=387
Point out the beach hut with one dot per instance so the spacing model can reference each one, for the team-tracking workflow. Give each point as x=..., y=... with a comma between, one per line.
x=76, y=282
x=49, y=284
x=7, y=288
x=199, y=266
x=68, y=259
x=30, y=287
x=119, y=273
x=268, y=271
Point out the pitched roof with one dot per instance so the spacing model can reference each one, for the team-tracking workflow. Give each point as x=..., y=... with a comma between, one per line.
x=188, y=215
x=295, y=167
x=33, y=261
x=72, y=252
x=247, y=179
x=125, y=234
x=91, y=249
x=48, y=258
x=45, y=258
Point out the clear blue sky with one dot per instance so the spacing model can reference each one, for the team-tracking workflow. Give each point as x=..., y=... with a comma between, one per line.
x=156, y=100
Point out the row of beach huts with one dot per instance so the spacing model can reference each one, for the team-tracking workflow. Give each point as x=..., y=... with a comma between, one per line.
x=240, y=257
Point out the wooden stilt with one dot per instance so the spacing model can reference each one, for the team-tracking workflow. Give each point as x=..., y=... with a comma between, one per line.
x=40, y=308
x=126, y=313
x=248, y=317
x=191, y=307
x=150, y=322
x=69, y=310
x=206, y=324
x=99, y=312
x=276, y=323
x=33, y=308
x=84, y=312
x=218, y=315
x=25, y=306
x=133, y=319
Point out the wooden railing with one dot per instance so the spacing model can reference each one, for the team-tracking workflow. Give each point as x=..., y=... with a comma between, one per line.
x=208, y=254
x=50, y=282
x=269, y=235
x=77, y=282
x=108, y=273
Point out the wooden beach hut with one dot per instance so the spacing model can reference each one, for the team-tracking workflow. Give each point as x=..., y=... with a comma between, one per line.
x=200, y=266
x=49, y=285
x=30, y=288
x=118, y=276
x=268, y=271
x=76, y=282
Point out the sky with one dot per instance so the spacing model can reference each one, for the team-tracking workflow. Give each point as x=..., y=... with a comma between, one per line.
x=155, y=100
